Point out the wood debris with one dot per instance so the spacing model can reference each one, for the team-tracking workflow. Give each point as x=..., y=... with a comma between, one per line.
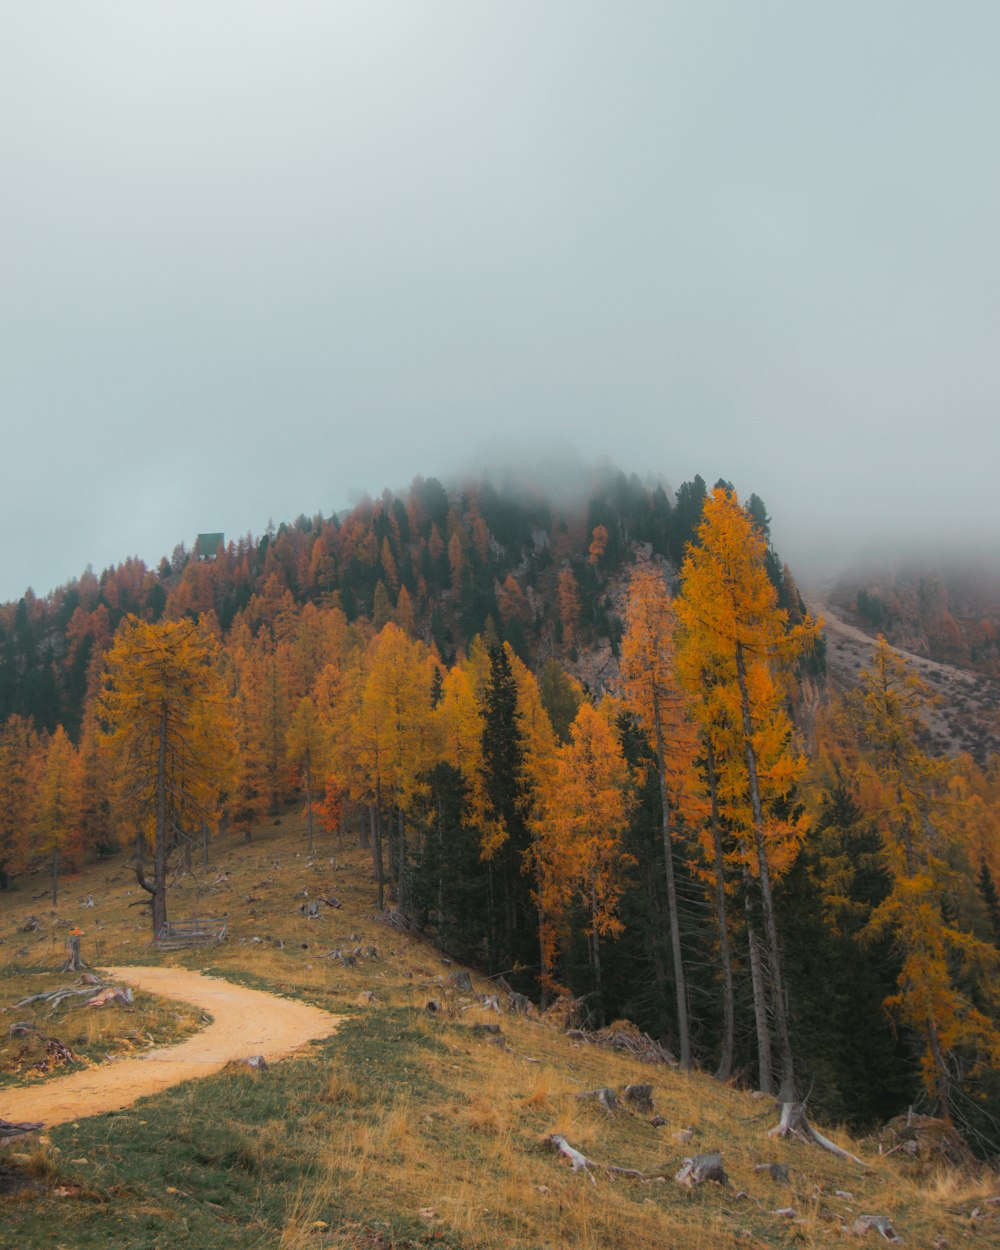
x=626, y=1037
x=581, y=1163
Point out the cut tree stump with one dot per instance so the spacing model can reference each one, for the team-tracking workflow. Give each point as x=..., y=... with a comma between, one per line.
x=74, y=961
x=640, y=1097
x=882, y=1225
x=778, y=1172
x=606, y=1099
x=256, y=1063
x=795, y=1123
x=700, y=1168
x=461, y=981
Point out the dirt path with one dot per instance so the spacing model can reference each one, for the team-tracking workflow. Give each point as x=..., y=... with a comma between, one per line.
x=246, y=1022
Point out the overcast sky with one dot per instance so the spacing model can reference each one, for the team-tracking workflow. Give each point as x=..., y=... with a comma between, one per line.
x=257, y=257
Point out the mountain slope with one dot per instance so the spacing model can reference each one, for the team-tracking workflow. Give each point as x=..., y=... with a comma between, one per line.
x=413, y=1127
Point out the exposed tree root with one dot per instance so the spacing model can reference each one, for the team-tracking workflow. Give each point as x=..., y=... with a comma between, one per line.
x=581, y=1163
x=795, y=1123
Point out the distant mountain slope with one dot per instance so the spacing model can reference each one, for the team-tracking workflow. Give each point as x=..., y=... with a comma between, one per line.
x=947, y=612
x=967, y=715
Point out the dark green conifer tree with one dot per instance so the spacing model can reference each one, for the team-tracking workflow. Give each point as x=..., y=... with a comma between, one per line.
x=512, y=922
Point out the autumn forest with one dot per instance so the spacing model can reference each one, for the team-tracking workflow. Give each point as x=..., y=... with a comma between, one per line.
x=590, y=746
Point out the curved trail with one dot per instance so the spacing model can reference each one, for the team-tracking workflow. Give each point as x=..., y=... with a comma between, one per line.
x=246, y=1022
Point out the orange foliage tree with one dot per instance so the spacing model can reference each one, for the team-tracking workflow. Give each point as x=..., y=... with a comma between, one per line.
x=167, y=730
x=584, y=809
x=18, y=756
x=654, y=698
x=729, y=611
x=57, y=807
x=909, y=795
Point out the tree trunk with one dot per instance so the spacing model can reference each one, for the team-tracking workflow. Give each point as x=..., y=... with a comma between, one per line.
x=159, y=891
x=204, y=844
x=725, y=1068
x=766, y=1076
x=401, y=868
x=787, y=1088
x=683, y=1029
x=55, y=877
x=309, y=806
x=491, y=918
x=595, y=956
x=375, y=817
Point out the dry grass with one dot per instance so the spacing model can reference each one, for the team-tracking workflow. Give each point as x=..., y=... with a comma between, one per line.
x=92, y=1034
x=413, y=1128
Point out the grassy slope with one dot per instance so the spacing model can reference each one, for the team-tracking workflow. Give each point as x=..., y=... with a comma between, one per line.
x=407, y=1128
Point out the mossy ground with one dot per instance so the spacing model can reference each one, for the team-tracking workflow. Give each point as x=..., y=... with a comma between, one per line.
x=408, y=1128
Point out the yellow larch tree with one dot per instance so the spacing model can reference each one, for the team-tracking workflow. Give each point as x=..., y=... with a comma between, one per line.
x=394, y=735
x=729, y=609
x=307, y=740
x=569, y=604
x=910, y=796
x=584, y=807
x=19, y=752
x=166, y=727
x=654, y=698
x=57, y=808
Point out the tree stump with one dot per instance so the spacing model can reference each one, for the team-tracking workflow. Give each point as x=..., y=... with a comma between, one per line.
x=606, y=1099
x=74, y=962
x=701, y=1168
x=640, y=1097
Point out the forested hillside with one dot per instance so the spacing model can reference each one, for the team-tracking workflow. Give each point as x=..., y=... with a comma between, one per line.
x=796, y=904
x=951, y=613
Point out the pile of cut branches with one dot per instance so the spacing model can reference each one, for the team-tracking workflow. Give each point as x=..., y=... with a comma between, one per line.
x=626, y=1037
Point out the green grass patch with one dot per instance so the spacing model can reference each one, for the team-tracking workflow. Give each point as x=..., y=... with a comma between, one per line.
x=93, y=1035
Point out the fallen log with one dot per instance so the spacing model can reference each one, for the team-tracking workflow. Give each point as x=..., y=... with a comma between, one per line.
x=9, y=1129
x=55, y=997
x=581, y=1163
x=795, y=1123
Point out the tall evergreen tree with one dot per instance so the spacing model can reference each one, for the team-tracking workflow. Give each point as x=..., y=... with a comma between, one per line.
x=506, y=842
